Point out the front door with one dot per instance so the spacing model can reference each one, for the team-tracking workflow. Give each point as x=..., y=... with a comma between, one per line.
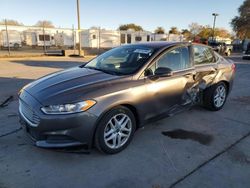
x=168, y=94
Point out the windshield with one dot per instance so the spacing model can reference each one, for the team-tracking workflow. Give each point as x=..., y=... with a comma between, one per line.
x=122, y=60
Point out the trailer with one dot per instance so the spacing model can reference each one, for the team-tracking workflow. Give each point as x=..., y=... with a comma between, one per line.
x=38, y=38
x=64, y=39
x=100, y=38
x=131, y=36
x=30, y=38
x=12, y=39
x=44, y=39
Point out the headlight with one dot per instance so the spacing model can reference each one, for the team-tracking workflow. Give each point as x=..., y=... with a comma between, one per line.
x=68, y=108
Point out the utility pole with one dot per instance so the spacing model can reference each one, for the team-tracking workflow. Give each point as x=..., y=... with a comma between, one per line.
x=79, y=27
x=73, y=37
x=7, y=36
x=99, y=38
x=44, y=44
x=214, y=15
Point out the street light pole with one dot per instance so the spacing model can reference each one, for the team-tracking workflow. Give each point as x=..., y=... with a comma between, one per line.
x=79, y=26
x=7, y=36
x=214, y=15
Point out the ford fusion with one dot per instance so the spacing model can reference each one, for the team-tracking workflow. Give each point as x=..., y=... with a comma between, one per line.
x=103, y=102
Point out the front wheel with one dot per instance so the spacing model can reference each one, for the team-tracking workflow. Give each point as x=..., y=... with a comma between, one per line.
x=215, y=96
x=115, y=130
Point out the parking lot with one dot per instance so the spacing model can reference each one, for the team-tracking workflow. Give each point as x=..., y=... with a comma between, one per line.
x=196, y=148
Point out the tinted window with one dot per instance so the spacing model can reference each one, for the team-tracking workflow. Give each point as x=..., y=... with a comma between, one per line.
x=138, y=38
x=177, y=59
x=203, y=55
x=123, y=37
x=44, y=37
x=148, y=37
x=128, y=38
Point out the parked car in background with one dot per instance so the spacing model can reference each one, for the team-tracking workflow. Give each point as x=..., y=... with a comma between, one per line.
x=246, y=54
x=222, y=48
x=102, y=103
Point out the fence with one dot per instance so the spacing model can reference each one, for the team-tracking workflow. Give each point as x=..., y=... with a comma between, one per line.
x=23, y=40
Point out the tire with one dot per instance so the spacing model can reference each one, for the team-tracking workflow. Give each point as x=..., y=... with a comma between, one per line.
x=110, y=131
x=213, y=99
x=16, y=46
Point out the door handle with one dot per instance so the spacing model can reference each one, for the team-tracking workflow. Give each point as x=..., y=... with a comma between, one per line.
x=193, y=74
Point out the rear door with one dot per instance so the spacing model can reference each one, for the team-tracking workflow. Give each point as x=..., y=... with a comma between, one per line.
x=205, y=65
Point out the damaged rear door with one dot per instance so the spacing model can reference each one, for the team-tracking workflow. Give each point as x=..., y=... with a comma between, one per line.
x=205, y=66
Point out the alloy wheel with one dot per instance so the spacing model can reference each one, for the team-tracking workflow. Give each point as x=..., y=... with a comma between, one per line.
x=220, y=96
x=117, y=131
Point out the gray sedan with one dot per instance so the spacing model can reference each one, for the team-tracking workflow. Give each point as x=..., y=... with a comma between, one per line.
x=101, y=103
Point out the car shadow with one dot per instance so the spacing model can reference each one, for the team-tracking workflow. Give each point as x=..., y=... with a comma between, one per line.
x=11, y=86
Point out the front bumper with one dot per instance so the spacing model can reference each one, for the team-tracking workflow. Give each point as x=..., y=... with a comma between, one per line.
x=56, y=131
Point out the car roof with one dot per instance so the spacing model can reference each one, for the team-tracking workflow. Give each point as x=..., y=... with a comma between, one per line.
x=157, y=45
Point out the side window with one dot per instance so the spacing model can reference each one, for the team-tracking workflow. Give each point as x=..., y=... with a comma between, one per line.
x=176, y=59
x=138, y=38
x=203, y=55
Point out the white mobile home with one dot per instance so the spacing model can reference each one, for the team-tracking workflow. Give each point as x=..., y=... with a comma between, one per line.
x=14, y=37
x=44, y=39
x=64, y=39
x=100, y=38
x=37, y=38
x=131, y=36
x=159, y=37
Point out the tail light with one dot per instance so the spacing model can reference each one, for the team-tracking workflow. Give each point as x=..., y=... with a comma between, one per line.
x=233, y=67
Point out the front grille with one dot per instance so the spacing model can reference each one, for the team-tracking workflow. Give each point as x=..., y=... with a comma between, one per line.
x=28, y=112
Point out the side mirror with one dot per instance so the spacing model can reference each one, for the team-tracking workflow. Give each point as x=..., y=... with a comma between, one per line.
x=163, y=72
x=148, y=72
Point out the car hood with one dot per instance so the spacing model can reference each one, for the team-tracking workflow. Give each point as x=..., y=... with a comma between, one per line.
x=68, y=86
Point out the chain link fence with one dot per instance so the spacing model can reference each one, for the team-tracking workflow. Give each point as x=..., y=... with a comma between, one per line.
x=32, y=40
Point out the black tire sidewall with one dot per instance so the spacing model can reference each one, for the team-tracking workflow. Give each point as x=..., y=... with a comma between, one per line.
x=99, y=136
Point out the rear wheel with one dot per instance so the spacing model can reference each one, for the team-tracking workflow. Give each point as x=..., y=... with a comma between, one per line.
x=115, y=130
x=215, y=96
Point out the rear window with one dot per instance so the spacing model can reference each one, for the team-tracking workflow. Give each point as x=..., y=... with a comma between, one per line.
x=203, y=55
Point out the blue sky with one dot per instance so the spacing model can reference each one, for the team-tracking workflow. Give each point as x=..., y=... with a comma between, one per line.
x=111, y=13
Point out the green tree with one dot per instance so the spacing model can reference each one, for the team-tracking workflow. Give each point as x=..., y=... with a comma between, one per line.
x=205, y=32
x=133, y=26
x=194, y=29
x=174, y=30
x=221, y=32
x=10, y=22
x=186, y=33
x=241, y=23
x=45, y=23
x=159, y=30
